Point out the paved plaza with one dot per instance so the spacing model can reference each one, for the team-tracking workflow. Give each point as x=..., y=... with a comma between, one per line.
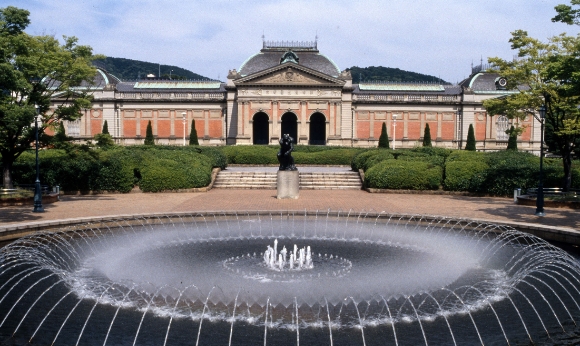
x=477, y=208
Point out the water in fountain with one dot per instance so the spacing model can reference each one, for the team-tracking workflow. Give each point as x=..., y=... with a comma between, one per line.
x=345, y=279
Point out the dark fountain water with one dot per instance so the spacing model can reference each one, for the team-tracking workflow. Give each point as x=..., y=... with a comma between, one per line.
x=335, y=278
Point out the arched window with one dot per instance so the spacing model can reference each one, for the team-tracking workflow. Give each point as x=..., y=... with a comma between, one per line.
x=260, y=128
x=502, y=125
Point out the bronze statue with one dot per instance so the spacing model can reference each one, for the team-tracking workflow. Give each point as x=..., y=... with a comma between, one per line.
x=285, y=154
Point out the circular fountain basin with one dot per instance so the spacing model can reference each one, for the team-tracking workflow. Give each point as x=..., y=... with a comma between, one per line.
x=215, y=279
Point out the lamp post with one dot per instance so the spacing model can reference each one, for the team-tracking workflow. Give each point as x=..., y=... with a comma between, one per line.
x=183, y=114
x=37, y=189
x=540, y=195
x=394, y=129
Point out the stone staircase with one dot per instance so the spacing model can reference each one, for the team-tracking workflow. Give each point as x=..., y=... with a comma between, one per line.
x=308, y=180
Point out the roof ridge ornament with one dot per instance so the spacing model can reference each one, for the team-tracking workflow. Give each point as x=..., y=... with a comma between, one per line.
x=289, y=56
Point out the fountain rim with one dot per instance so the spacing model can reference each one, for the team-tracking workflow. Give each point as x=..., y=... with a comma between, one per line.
x=549, y=233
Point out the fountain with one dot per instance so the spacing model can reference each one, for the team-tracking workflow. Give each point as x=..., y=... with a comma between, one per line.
x=287, y=278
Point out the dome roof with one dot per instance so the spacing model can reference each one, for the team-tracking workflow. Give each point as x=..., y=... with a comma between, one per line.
x=482, y=81
x=271, y=56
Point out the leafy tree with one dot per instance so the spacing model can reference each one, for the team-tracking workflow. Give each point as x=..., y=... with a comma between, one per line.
x=427, y=137
x=384, y=138
x=105, y=130
x=33, y=69
x=567, y=14
x=546, y=73
x=193, y=134
x=513, y=139
x=149, y=140
x=470, y=145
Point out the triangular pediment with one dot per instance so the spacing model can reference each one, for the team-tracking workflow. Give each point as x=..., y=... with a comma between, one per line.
x=289, y=74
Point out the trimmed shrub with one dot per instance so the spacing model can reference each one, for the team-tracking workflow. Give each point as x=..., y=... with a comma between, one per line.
x=193, y=134
x=366, y=159
x=217, y=157
x=465, y=175
x=427, y=137
x=149, y=140
x=384, y=138
x=306, y=155
x=105, y=130
x=172, y=170
x=513, y=139
x=397, y=174
x=470, y=145
x=116, y=172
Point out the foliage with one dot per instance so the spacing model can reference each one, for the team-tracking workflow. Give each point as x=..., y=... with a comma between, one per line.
x=465, y=171
x=545, y=73
x=33, y=69
x=384, y=138
x=193, y=134
x=380, y=73
x=60, y=140
x=427, y=137
x=470, y=145
x=303, y=154
x=399, y=174
x=513, y=139
x=121, y=168
x=366, y=159
x=173, y=170
x=149, y=140
x=127, y=69
x=104, y=140
x=105, y=130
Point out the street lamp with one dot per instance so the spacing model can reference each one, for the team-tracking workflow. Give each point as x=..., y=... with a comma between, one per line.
x=394, y=129
x=37, y=189
x=183, y=114
x=540, y=195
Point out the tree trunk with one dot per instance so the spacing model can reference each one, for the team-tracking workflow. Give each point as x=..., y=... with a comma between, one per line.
x=567, y=161
x=7, y=175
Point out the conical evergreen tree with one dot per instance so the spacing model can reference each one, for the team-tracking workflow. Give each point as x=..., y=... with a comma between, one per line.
x=513, y=139
x=105, y=128
x=470, y=139
x=384, y=138
x=193, y=134
x=60, y=135
x=149, y=140
x=427, y=137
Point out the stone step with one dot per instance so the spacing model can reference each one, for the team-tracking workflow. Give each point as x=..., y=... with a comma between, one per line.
x=308, y=180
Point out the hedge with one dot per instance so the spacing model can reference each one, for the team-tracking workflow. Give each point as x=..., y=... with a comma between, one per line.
x=397, y=174
x=152, y=168
x=366, y=159
x=173, y=170
x=303, y=154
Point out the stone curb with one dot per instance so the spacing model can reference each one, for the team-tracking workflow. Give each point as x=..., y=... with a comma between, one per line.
x=551, y=233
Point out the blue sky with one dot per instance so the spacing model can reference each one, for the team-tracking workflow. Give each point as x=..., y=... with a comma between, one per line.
x=436, y=37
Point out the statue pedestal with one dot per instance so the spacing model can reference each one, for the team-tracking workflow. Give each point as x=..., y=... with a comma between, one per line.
x=288, y=184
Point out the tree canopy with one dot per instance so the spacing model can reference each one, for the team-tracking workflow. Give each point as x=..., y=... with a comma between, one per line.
x=33, y=70
x=544, y=73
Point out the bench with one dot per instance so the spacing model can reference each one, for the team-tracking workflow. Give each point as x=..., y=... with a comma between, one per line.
x=45, y=189
x=554, y=191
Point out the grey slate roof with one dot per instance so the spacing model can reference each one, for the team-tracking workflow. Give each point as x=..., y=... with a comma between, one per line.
x=481, y=82
x=268, y=58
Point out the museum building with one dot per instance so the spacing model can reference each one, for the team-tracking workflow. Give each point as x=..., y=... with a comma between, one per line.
x=290, y=87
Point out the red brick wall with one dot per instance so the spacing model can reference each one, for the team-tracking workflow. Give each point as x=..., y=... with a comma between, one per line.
x=414, y=130
x=447, y=131
x=363, y=129
x=215, y=128
x=129, y=128
x=163, y=128
x=96, y=126
x=377, y=129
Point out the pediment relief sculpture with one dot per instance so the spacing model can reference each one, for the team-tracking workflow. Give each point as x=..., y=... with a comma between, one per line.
x=288, y=76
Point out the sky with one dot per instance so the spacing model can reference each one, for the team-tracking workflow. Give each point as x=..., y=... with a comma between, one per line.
x=436, y=37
